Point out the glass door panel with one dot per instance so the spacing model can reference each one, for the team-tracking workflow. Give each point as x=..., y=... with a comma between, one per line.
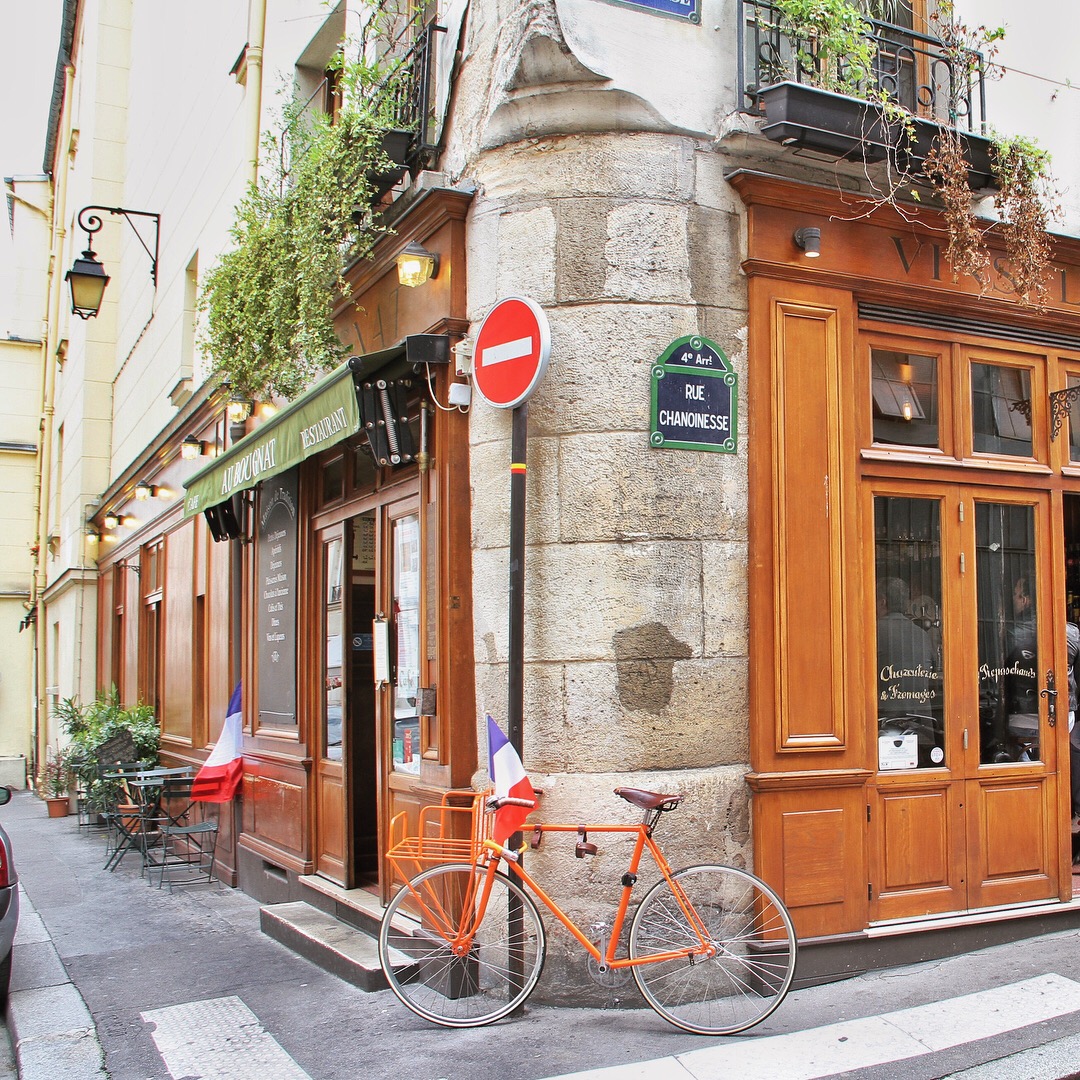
x=333, y=676
x=1008, y=646
x=405, y=554
x=910, y=675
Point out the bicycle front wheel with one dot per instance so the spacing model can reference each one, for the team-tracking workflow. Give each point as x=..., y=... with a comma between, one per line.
x=470, y=962
x=754, y=942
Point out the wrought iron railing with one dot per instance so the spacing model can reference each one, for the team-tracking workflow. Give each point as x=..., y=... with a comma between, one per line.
x=405, y=99
x=913, y=69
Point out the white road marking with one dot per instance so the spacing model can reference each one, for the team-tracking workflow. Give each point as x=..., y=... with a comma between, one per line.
x=219, y=1039
x=860, y=1044
x=508, y=350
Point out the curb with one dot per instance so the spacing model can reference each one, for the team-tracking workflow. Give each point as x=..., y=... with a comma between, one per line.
x=52, y=1032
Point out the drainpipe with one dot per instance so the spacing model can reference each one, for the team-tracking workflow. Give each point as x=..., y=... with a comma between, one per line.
x=43, y=481
x=253, y=99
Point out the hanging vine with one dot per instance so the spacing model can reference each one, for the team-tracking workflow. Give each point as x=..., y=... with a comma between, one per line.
x=268, y=302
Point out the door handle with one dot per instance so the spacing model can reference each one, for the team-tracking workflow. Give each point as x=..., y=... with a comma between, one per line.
x=1050, y=693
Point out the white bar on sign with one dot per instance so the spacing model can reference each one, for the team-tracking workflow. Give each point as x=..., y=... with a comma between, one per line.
x=508, y=350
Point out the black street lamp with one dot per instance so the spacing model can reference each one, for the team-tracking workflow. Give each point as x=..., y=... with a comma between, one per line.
x=87, y=276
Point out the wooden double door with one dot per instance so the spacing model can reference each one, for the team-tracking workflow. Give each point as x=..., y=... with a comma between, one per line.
x=367, y=712
x=969, y=804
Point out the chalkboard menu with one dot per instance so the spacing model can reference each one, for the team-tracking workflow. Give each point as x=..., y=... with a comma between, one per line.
x=275, y=577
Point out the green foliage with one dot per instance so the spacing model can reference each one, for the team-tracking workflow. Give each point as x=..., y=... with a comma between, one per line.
x=268, y=302
x=833, y=43
x=94, y=725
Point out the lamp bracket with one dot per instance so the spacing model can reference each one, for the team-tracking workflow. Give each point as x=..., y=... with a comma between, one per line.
x=91, y=222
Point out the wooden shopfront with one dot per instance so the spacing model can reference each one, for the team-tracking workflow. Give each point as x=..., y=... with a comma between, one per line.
x=357, y=582
x=915, y=492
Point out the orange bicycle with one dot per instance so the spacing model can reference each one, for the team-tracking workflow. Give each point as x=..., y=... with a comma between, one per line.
x=711, y=948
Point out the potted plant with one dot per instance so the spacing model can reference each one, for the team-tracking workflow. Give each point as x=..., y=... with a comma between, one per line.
x=54, y=782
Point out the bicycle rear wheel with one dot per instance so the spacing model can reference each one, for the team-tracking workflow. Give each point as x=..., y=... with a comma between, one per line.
x=440, y=983
x=754, y=939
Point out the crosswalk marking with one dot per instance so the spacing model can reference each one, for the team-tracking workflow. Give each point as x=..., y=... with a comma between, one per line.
x=860, y=1044
x=219, y=1039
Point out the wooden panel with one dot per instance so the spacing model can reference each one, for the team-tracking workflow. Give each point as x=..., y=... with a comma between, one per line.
x=917, y=849
x=331, y=854
x=275, y=806
x=810, y=845
x=1013, y=852
x=807, y=540
x=176, y=698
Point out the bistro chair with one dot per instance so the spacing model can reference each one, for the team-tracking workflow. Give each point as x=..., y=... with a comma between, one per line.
x=124, y=812
x=185, y=855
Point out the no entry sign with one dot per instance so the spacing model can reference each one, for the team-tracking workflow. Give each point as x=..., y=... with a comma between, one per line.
x=511, y=352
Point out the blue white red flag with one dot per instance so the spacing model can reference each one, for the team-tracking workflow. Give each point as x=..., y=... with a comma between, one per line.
x=223, y=770
x=511, y=782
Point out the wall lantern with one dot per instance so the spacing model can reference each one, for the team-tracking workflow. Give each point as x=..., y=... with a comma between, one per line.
x=87, y=276
x=192, y=448
x=144, y=490
x=239, y=408
x=416, y=264
x=92, y=535
x=808, y=241
x=110, y=521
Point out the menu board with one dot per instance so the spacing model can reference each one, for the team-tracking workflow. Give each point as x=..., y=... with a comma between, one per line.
x=275, y=577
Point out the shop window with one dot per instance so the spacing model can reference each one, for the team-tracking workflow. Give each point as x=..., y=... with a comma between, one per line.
x=904, y=389
x=910, y=676
x=1001, y=409
x=333, y=480
x=151, y=651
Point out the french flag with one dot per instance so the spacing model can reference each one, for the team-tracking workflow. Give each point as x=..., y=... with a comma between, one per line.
x=220, y=776
x=508, y=775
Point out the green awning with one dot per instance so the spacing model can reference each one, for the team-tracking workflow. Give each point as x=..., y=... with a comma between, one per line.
x=320, y=417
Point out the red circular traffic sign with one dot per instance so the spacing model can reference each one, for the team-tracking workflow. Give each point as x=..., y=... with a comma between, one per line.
x=511, y=352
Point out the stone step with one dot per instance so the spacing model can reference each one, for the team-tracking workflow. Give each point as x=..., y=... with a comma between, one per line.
x=333, y=945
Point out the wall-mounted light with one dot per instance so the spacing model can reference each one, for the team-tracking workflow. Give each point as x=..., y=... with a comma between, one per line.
x=416, y=264
x=110, y=520
x=144, y=490
x=239, y=408
x=129, y=522
x=87, y=276
x=808, y=241
x=192, y=448
x=92, y=535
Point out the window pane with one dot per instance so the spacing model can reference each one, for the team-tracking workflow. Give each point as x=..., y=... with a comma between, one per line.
x=1074, y=421
x=1008, y=652
x=904, y=394
x=406, y=584
x=1001, y=409
x=333, y=674
x=910, y=680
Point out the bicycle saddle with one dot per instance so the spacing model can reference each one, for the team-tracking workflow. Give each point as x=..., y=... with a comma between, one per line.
x=649, y=800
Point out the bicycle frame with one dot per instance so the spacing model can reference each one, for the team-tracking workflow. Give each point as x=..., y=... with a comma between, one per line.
x=704, y=949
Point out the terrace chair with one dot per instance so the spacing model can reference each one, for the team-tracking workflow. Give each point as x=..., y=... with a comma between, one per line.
x=124, y=812
x=188, y=837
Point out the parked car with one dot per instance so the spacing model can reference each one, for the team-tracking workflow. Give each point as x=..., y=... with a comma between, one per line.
x=9, y=902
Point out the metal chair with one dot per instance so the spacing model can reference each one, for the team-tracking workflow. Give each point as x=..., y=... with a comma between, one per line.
x=123, y=813
x=188, y=842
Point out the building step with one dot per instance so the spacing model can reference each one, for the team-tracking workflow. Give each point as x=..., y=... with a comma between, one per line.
x=333, y=945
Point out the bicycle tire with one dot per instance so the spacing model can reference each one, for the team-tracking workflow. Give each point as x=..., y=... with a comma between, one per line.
x=441, y=986
x=751, y=972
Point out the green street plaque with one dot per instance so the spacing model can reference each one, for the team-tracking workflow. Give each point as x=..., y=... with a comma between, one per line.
x=694, y=401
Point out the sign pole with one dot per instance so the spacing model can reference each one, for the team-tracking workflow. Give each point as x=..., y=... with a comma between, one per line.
x=509, y=358
x=515, y=706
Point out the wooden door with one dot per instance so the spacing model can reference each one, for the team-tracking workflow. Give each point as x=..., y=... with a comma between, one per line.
x=965, y=806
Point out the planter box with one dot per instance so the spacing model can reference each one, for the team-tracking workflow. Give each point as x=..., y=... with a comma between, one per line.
x=847, y=127
x=395, y=144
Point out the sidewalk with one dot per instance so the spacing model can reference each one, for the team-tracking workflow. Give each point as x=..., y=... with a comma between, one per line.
x=113, y=978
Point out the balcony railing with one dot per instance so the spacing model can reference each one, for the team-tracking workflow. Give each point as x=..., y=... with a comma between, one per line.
x=911, y=68
x=406, y=98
